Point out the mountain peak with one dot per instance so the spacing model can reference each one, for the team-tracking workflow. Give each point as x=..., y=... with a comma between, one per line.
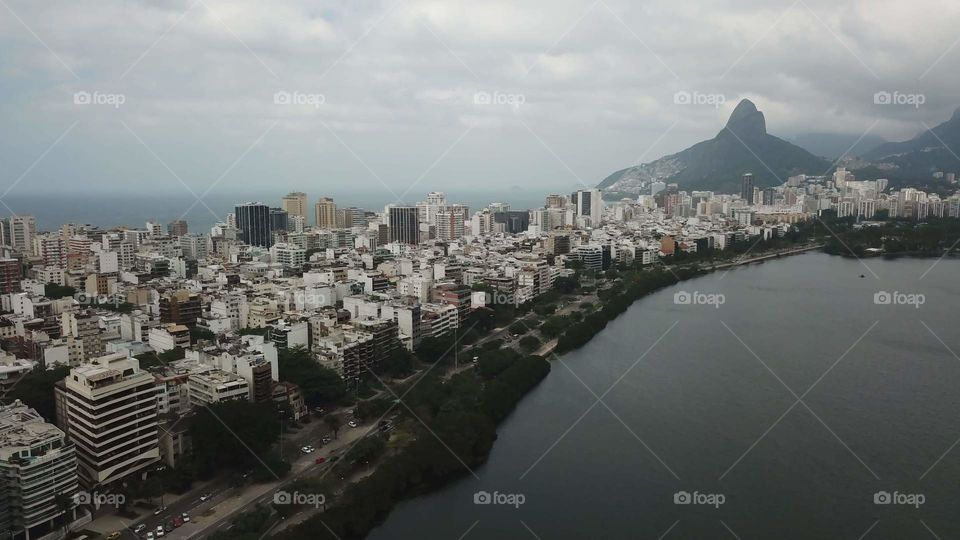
x=746, y=120
x=718, y=164
x=744, y=108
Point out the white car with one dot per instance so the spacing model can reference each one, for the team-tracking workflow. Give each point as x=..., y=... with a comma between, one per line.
x=204, y=497
x=150, y=535
x=185, y=517
x=160, y=531
x=307, y=449
x=353, y=423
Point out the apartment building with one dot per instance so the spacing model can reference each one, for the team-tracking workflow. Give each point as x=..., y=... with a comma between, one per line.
x=38, y=476
x=180, y=307
x=216, y=386
x=108, y=408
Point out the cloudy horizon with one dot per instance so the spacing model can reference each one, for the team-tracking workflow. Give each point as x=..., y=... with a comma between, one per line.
x=408, y=96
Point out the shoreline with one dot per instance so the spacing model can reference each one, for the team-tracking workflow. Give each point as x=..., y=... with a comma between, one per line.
x=640, y=285
x=549, y=347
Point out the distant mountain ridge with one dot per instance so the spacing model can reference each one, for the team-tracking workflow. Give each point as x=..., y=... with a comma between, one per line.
x=836, y=145
x=930, y=151
x=742, y=146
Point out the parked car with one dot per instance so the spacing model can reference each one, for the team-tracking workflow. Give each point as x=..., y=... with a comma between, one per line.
x=168, y=527
x=186, y=517
x=150, y=535
x=139, y=529
x=320, y=460
x=160, y=531
x=204, y=497
x=159, y=510
x=353, y=423
x=114, y=535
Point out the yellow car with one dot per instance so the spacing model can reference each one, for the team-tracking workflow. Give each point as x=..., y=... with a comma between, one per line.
x=113, y=536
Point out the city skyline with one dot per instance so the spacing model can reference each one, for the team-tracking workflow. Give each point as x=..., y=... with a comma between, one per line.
x=298, y=270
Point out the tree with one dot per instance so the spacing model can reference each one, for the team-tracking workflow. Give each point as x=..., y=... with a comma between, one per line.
x=554, y=326
x=319, y=385
x=398, y=363
x=334, y=423
x=254, y=331
x=518, y=328
x=197, y=333
x=232, y=435
x=54, y=291
x=529, y=343
x=565, y=285
x=35, y=389
x=433, y=349
x=65, y=506
x=365, y=451
x=153, y=488
x=372, y=408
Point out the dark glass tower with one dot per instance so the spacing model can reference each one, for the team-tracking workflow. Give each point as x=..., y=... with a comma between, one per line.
x=404, y=225
x=253, y=222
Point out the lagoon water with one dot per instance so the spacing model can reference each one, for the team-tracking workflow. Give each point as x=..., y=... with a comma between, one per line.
x=712, y=409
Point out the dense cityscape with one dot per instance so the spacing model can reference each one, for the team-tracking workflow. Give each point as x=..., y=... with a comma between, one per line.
x=396, y=269
x=142, y=328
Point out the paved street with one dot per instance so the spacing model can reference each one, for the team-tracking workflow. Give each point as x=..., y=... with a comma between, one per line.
x=224, y=501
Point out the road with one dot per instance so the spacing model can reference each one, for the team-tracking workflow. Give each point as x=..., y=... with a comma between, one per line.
x=226, y=500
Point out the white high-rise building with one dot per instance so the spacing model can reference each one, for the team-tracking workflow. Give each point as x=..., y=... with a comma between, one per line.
x=108, y=408
x=51, y=248
x=589, y=205
x=841, y=176
x=18, y=232
x=288, y=255
x=449, y=225
x=427, y=211
x=38, y=467
x=482, y=223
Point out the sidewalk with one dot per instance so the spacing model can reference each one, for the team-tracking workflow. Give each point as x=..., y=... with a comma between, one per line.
x=110, y=522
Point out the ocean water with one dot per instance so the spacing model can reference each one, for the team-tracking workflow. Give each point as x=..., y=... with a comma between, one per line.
x=132, y=210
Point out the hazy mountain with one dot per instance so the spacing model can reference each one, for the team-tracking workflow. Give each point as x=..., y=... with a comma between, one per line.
x=835, y=145
x=717, y=164
x=930, y=151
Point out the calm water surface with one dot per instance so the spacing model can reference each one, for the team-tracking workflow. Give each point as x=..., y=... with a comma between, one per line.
x=713, y=408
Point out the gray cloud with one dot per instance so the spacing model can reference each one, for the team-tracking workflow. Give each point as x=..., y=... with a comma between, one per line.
x=577, y=89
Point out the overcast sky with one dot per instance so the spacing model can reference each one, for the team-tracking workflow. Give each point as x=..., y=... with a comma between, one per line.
x=418, y=95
